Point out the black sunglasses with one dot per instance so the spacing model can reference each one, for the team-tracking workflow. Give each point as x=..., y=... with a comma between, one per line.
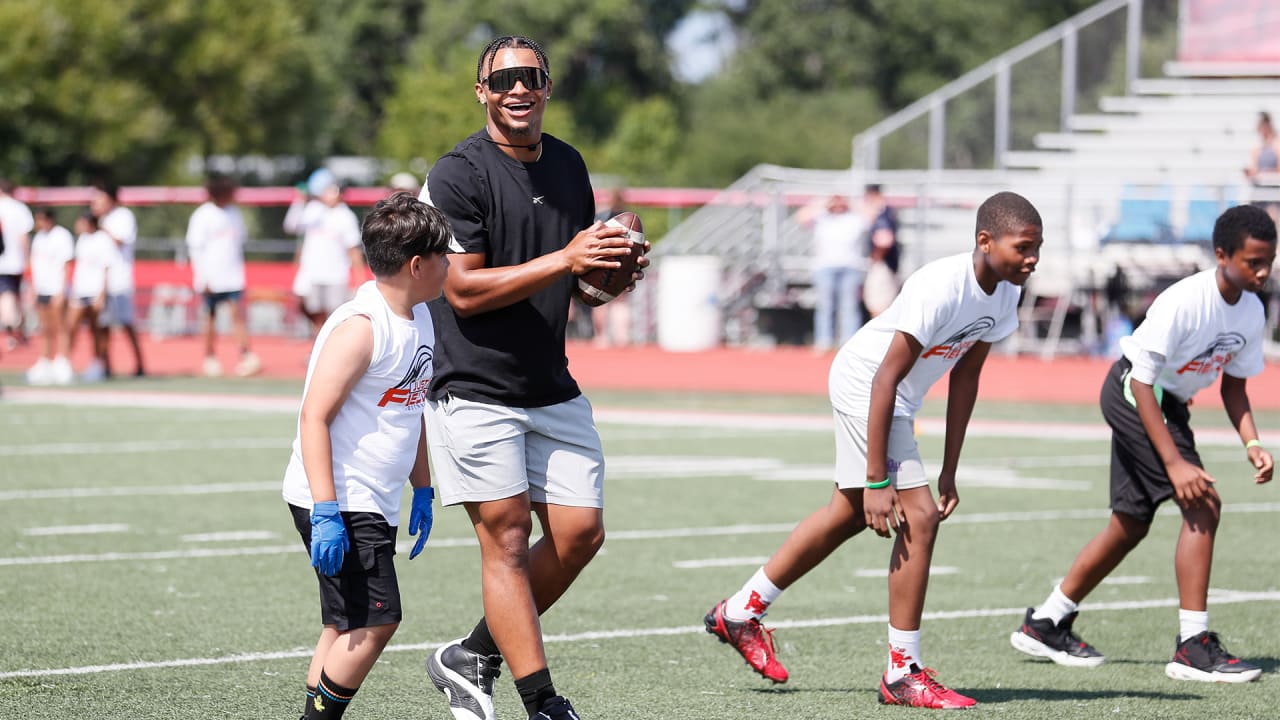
x=500, y=81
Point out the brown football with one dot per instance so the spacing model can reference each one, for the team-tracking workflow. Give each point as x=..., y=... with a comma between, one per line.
x=599, y=286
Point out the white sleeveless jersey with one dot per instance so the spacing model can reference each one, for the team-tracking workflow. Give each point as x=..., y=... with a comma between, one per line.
x=375, y=433
x=943, y=307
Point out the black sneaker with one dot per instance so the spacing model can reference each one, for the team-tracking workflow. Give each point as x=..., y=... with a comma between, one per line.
x=1202, y=657
x=466, y=679
x=555, y=708
x=1041, y=638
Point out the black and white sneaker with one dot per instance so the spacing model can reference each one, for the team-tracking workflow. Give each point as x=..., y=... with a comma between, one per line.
x=555, y=708
x=1201, y=657
x=1041, y=638
x=466, y=679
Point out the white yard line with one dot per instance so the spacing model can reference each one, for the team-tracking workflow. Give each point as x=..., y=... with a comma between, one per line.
x=76, y=529
x=720, y=562
x=1034, y=516
x=1218, y=597
x=231, y=536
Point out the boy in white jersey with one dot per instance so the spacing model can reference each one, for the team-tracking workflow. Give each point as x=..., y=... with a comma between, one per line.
x=52, y=250
x=216, y=235
x=360, y=437
x=96, y=254
x=945, y=319
x=328, y=258
x=1208, y=324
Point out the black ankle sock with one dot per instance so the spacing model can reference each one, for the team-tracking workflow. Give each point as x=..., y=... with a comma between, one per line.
x=306, y=704
x=535, y=689
x=331, y=700
x=480, y=641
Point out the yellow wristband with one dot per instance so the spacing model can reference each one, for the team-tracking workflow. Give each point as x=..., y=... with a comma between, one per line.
x=878, y=485
x=1252, y=444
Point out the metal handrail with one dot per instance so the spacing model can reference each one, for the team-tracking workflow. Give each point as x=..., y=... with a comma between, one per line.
x=866, y=144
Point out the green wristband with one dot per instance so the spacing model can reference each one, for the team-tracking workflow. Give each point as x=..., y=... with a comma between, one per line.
x=878, y=485
x=1252, y=444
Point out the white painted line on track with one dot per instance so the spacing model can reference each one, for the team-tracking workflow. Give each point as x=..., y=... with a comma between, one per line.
x=76, y=529
x=1216, y=597
x=615, y=535
x=231, y=536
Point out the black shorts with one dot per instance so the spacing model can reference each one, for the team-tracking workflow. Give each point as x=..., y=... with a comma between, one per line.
x=213, y=299
x=10, y=284
x=365, y=592
x=1139, y=482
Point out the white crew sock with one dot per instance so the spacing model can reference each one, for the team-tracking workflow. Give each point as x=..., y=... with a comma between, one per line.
x=753, y=599
x=904, y=651
x=1056, y=607
x=1192, y=623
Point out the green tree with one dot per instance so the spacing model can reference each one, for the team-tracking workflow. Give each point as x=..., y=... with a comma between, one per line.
x=135, y=86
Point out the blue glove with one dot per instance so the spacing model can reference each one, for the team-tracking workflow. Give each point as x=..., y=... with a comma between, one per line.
x=328, y=538
x=420, y=517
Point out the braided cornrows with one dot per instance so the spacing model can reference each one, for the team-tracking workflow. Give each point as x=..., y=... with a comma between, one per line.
x=485, y=64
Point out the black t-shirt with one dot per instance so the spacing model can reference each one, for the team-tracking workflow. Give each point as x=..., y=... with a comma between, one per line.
x=512, y=212
x=886, y=220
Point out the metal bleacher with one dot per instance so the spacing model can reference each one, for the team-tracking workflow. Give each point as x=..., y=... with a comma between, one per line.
x=1127, y=187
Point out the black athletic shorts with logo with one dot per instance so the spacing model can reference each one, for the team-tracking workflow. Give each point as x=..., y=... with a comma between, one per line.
x=365, y=592
x=1139, y=482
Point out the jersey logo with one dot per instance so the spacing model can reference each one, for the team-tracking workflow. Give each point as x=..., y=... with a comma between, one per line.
x=959, y=343
x=1220, y=352
x=411, y=391
x=538, y=199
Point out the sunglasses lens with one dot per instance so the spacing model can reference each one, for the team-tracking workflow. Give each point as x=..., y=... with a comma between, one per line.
x=504, y=80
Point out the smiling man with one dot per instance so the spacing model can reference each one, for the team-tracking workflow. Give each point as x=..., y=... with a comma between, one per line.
x=513, y=433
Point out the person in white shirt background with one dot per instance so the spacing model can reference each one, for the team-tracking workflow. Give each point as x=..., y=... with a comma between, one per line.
x=52, y=250
x=216, y=236
x=120, y=224
x=15, y=224
x=329, y=259
x=95, y=257
x=839, y=268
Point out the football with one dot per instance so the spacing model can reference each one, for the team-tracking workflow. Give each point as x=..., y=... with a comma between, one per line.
x=599, y=286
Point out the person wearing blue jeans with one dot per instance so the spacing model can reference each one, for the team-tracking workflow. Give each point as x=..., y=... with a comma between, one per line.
x=839, y=267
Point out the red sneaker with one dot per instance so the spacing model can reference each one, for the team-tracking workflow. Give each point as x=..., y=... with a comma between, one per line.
x=921, y=689
x=750, y=639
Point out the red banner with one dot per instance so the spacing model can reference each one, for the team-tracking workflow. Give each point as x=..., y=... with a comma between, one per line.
x=1229, y=31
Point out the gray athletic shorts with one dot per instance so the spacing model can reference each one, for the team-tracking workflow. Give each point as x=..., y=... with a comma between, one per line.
x=904, y=465
x=118, y=311
x=325, y=298
x=481, y=452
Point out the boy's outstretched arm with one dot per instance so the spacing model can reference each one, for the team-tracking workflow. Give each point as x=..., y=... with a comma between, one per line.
x=880, y=506
x=1236, y=401
x=1190, y=483
x=962, y=393
x=344, y=358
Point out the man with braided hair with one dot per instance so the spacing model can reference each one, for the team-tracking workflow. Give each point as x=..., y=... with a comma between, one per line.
x=511, y=433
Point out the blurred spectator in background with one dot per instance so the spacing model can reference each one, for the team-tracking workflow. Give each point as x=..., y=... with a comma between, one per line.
x=216, y=235
x=839, y=265
x=330, y=263
x=609, y=324
x=52, y=250
x=1264, y=164
x=405, y=181
x=882, y=283
x=118, y=222
x=96, y=256
x=15, y=230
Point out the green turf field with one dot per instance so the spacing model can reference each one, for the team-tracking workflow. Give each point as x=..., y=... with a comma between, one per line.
x=149, y=569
